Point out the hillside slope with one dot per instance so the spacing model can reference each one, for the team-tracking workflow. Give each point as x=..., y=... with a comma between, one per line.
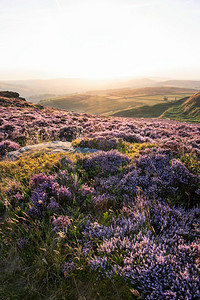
x=120, y=223
x=189, y=110
x=12, y=99
x=110, y=101
x=43, y=89
x=192, y=105
x=186, y=109
x=194, y=84
x=148, y=111
x=63, y=86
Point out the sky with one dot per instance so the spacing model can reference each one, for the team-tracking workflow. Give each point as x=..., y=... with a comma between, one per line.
x=99, y=39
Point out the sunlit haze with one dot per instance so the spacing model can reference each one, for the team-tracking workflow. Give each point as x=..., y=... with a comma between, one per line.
x=99, y=39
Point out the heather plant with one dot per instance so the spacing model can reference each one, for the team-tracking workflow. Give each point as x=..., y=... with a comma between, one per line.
x=154, y=258
x=13, y=193
x=104, y=201
x=6, y=146
x=105, y=144
x=61, y=223
x=101, y=143
x=158, y=176
x=31, y=125
x=191, y=162
x=147, y=245
x=69, y=133
x=103, y=164
x=121, y=223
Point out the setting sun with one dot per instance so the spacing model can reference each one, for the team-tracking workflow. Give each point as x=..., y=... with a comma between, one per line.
x=98, y=39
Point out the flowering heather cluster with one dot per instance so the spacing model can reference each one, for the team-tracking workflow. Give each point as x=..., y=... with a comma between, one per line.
x=99, y=142
x=22, y=242
x=53, y=193
x=47, y=195
x=105, y=163
x=13, y=193
x=153, y=246
x=108, y=213
x=31, y=124
x=68, y=268
x=157, y=174
x=104, y=201
x=61, y=223
x=123, y=133
x=7, y=146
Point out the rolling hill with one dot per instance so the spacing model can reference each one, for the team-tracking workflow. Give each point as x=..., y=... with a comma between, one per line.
x=192, y=105
x=186, y=109
x=194, y=84
x=36, y=90
x=108, y=102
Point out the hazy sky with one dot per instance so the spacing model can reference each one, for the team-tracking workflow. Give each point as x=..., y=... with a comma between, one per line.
x=99, y=38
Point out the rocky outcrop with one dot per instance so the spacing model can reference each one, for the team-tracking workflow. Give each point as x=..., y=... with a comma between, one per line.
x=8, y=94
x=56, y=146
x=9, y=99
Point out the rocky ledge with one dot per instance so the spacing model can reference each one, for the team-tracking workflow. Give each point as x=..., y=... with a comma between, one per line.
x=12, y=99
x=56, y=146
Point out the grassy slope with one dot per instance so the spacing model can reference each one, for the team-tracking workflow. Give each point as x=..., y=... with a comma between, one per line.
x=149, y=111
x=111, y=101
x=186, y=109
x=177, y=113
x=192, y=105
x=189, y=110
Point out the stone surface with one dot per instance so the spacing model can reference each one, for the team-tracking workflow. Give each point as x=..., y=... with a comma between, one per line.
x=8, y=94
x=55, y=146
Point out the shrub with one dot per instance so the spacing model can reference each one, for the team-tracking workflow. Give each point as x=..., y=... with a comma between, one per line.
x=103, y=164
x=7, y=146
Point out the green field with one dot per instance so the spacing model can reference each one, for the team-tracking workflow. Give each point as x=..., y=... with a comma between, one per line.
x=175, y=110
x=109, y=102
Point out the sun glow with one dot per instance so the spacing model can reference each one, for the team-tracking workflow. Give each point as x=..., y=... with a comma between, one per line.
x=97, y=39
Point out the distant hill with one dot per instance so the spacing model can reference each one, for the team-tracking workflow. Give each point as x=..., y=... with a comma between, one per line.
x=186, y=109
x=36, y=90
x=192, y=84
x=64, y=86
x=110, y=101
x=37, y=98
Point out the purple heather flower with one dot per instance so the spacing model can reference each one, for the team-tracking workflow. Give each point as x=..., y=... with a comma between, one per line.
x=68, y=268
x=18, y=196
x=53, y=206
x=61, y=223
x=22, y=242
